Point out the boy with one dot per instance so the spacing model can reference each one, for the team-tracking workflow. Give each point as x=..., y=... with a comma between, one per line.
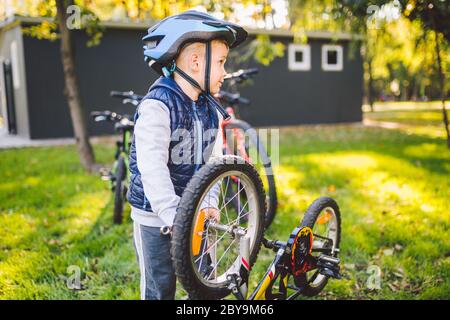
x=176, y=131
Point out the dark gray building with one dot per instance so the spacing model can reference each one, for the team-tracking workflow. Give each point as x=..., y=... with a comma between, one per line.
x=318, y=82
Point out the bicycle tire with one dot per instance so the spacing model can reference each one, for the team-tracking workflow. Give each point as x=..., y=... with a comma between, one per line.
x=183, y=224
x=119, y=197
x=272, y=201
x=309, y=220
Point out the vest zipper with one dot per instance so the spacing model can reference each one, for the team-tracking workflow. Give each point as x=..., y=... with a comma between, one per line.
x=198, y=133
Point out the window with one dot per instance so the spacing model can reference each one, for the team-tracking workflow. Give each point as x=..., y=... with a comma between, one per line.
x=332, y=58
x=299, y=57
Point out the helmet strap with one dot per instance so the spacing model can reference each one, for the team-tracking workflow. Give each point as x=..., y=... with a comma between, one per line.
x=206, y=91
x=208, y=67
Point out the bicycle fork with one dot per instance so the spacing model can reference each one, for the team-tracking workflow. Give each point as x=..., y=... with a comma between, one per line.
x=239, y=281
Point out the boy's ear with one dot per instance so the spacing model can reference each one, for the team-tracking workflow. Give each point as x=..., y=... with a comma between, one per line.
x=195, y=62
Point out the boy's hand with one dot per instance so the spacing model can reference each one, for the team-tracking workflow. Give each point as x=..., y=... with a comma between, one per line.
x=212, y=214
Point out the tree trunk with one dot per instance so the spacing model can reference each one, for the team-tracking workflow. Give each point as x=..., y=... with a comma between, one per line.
x=71, y=91
x=415, y=89
x=442, y=88
x=370, y=84
x=139, y=10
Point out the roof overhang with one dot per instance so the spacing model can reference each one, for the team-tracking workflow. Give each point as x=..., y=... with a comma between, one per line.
x=12, y=21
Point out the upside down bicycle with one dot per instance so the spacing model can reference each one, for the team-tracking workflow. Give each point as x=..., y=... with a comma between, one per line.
x=213, y=257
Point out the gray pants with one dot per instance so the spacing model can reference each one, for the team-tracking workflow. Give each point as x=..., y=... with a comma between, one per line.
x=158, y=280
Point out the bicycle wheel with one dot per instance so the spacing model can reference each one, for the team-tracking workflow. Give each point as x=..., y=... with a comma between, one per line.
x=119, y=190
x=238, y=145
x=205, y=250
x=324, y=218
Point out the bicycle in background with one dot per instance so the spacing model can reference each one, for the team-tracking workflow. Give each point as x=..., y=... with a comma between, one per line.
x=241, y=139
x=118, y=174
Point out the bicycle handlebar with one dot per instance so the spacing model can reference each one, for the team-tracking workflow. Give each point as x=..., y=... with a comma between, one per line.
x=127, y=96
x=242, y=74
x=232, y=98
x=105, y=116
x=121, y=122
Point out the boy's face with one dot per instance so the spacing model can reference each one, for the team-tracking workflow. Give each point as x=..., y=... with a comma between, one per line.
x=219, y=53
x=192, y=60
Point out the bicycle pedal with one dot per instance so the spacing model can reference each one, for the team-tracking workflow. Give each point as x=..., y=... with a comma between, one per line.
x=106, y=174
x=104, y=171
x=329, y=266
x=330, y=273
x=330, y=259
x=107, y=178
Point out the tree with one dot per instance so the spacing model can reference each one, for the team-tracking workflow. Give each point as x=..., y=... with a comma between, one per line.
x=64, y=16
x=71, y=87
x=434, y=16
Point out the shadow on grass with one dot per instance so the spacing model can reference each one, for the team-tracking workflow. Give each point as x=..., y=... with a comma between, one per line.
x=395, y=143
x=392, y=208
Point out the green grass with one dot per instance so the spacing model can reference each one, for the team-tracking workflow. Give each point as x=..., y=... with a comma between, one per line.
x=407, y=105
x=393, y=188
x=413, y=117
x=52, y=217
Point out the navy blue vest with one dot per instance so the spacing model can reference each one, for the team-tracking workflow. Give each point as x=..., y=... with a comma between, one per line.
x=195, y=121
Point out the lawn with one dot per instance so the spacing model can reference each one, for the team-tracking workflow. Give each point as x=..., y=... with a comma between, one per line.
x=393, y=187
x=413, y=117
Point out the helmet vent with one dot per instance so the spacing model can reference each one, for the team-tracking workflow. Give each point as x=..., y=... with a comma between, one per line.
x=153, y=42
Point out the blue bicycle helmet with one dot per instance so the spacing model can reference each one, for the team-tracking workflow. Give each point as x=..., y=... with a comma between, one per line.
x=165, y=39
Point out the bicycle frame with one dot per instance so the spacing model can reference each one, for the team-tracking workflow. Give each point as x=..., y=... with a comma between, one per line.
x=279, y=269
x=123, y=149
x=240, y=138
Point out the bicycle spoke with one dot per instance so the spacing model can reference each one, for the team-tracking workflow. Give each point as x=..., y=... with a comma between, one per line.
x=215, y=267
x=239, y=198
x=239, y=191
x=214, y=252
x=224, y=197
x=235, y=220
x=221, y=237
x=239, y=215
x=209, y=248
